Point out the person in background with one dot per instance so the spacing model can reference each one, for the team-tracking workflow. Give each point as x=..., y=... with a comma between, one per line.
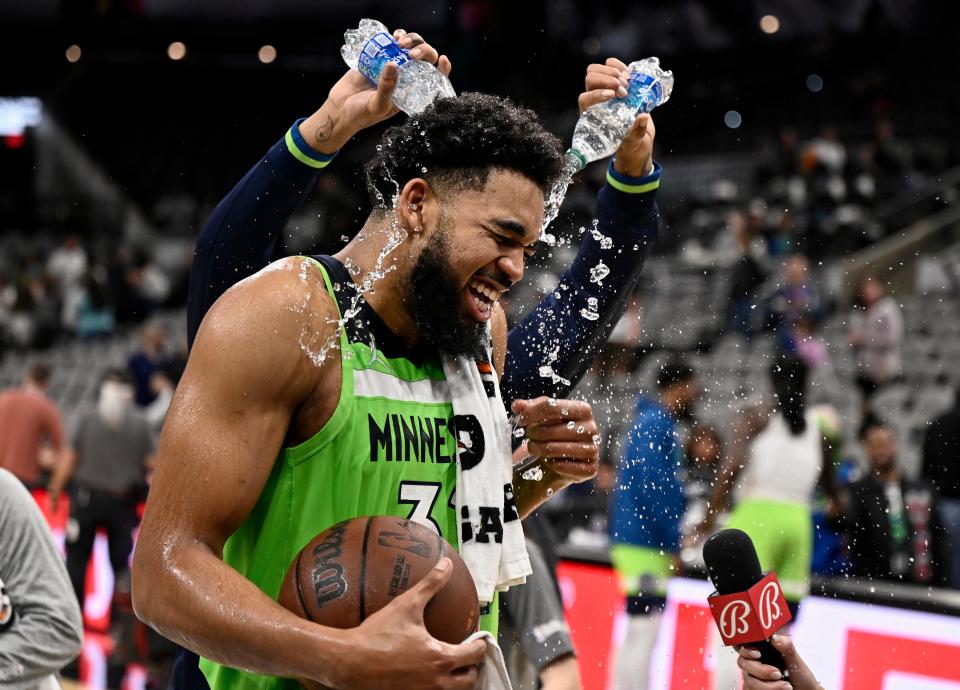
x=778, y=457
x=796, y=297
x=40, y=626
x=892, y=522
x=67, y=267
x=876, y=334
x=748, y=276
x=536, y=643
x=146, y=360
x=112, y=452
x=941, y=467
x=645, y=515
x=702, y=459
x=28, y=418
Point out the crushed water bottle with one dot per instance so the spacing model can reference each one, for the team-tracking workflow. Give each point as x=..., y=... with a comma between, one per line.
x=603, y=126
x=370, y=46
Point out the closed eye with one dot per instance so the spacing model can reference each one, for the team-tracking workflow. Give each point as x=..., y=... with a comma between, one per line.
x=528, y=251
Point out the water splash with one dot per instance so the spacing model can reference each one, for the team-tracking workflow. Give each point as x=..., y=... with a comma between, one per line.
x=572, y=164
x=547, y=372
x=396, y=234
x=590, y=312
x=598, y=273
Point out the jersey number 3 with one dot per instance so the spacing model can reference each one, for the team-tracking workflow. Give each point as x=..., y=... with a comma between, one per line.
x=422, y=496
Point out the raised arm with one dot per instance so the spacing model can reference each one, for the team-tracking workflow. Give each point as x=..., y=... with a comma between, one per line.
x=627, y=215
x=240, y=237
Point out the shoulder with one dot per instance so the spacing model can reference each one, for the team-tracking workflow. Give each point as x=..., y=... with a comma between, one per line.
x=287, y=298
x=13, y=493
x=269, y=332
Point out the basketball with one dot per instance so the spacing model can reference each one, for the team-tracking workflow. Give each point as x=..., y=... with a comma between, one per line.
x=353, y=569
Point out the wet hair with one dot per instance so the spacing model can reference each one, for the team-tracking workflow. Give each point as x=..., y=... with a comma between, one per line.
x=674, y=372
x=788, y=374
x=459, y=141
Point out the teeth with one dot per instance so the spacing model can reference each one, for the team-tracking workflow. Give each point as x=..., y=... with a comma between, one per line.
x=485, y=290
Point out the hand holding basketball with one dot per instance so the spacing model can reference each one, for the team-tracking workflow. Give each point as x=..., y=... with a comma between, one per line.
x=417, y=660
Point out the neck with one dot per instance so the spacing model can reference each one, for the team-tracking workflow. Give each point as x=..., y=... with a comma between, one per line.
x=387, y=298
x=31, y=386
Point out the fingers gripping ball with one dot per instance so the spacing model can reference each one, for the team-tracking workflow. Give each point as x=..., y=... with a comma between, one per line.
x=353, y=569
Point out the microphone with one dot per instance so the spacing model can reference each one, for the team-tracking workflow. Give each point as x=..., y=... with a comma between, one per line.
x=748, y=607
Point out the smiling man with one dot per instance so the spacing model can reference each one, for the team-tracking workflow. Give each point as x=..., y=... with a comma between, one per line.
x=298, y=403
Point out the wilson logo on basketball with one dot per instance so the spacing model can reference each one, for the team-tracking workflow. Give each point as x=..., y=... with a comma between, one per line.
x=733, y=619
x=328, y=581
x=769, y=608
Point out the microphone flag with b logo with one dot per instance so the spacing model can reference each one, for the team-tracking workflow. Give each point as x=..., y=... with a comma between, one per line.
x=751, y=616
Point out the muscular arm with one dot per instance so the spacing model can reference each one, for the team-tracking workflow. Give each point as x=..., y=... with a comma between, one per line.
x=245, y=377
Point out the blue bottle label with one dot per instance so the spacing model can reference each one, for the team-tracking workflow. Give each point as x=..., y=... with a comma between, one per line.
x=378, y=51
x=643, y=92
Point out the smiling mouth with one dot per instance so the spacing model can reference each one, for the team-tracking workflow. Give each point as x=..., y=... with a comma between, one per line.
x=483, y=296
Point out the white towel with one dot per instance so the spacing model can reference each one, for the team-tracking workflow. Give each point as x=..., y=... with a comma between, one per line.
x=491, y=538
x=493, y=673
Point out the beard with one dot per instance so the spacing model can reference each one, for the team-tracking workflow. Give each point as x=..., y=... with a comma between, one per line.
x=435, y=299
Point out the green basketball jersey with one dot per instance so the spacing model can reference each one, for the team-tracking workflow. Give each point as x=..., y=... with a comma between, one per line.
x=388, y=449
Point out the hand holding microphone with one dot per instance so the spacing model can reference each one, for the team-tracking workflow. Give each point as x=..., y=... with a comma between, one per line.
x=749, y=608
x=760, y=676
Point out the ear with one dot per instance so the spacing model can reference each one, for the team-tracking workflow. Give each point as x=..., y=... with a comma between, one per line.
x=412, y=204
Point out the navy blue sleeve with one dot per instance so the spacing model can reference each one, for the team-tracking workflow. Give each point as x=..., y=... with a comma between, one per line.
x=554, y=333
x=240, y=237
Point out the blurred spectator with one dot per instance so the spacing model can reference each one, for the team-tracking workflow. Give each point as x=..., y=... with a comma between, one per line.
x=645, y=515
x=138, y=285
x=891, y=522
x=67, y=267
x=747, y=277
x=941, y=467
x=826, y=151
x=41, y=629
x=146, y=360
x=876, y=334
x=112, y=453
x=778, y=452
x=27, y=419
x=797, y=297
x=800, y=339
x=94, y=313
x=704, y=453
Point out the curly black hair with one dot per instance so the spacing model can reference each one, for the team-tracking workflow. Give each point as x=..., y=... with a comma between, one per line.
x=455, y=142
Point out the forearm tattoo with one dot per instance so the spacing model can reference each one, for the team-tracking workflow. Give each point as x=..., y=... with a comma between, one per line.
x=325, y=130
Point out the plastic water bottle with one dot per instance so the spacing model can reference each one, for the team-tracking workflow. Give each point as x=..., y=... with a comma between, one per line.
x=370, y=46
x=603, y=126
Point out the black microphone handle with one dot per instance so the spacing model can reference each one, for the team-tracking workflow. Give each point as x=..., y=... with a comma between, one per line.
x=770, y=656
